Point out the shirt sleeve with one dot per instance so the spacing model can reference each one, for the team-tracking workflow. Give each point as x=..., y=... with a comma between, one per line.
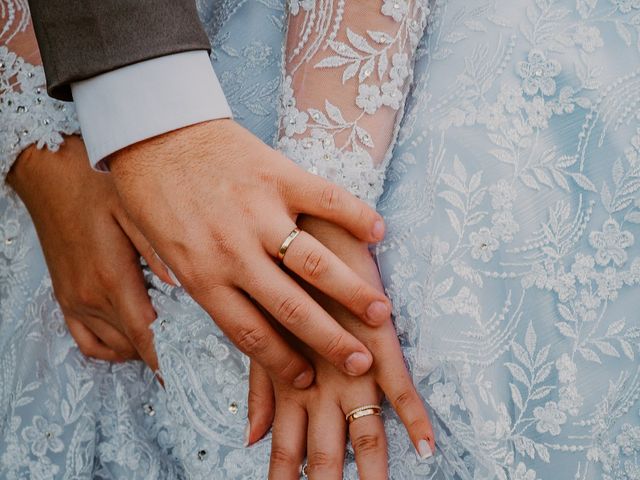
x=139, y=101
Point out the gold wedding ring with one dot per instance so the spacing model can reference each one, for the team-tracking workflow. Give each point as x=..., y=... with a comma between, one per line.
x=363, y=411
x=287, y=243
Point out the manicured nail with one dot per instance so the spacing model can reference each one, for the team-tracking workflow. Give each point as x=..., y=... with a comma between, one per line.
x=247, y=432
x=357, y=363
x=173, y=278
x=378, y=312
x=378, y=230
x=424, y=450
x=304, y=379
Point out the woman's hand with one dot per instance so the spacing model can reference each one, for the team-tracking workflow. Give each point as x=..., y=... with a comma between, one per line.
x=315, y=418
x=92, y=251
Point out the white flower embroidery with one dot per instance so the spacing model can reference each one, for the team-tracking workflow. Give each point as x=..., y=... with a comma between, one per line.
x=549, y=418
x=444, y=396
x=538, y=73
x=582, y=268
x=523, y=473
x=483, y=244
x=391, y=95
x=369, y=98
x=570, y=400
x=296, y=5
x=511, y=97
x=588, y=37
x=625, y=6
x=395, y=8
x=43, y=436
x=295, y=121
x=611, y=243
x=566, y=369
x=400, y=69
x=609, y=282
x=503, y=194
x=538, y=113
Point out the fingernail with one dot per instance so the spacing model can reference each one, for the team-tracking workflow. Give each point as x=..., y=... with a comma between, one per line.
x=247, y=432
x=357, y=363
x=304, y=379
x=378, y=230
x=424, y=450
x=173, y=278
x=378, y=312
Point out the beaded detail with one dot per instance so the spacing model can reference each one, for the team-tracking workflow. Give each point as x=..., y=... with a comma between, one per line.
x=29, y=116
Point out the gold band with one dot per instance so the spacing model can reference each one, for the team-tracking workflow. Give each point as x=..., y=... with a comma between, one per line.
x=287, y=242
x=363, y=411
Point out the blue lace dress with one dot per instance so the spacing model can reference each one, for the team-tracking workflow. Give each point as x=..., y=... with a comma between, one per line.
x=512, y=200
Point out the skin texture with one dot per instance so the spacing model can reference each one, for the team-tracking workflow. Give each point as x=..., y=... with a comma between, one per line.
x=312, y=421
x=93, y=254
x=216, y=204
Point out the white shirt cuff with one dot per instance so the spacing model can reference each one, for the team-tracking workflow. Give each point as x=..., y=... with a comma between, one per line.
x=125, y=106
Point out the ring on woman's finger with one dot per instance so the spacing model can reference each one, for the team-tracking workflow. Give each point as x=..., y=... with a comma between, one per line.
x=363, y=411
x=287, y=243
x=303, y=470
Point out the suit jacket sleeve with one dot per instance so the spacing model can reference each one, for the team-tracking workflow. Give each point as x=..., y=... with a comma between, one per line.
x=80, y=39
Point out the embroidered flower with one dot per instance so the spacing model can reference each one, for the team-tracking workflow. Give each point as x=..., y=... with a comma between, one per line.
x=570, y=400
x=483, y=244
x=511, y=97
x=9, y=230
x=395, y=8
x=625, y=6
x=586, y=307
x=523, y=473
x=295, y=121
x=611, y=243
x=566, y=369
x=296, y=5
x=588, y=37
x=549, y=418
x=582, y=267
x=444, y=396
x=503, y=194
x=369, y=98
x=492, y=116
x=609, y=282
x=538, y=113
x=257, y=54
x=464, y=303
x=391, y=95
x=504, y=226
x=43, y=436
x=400, y=67
x=538, y=73
x=564, y=284
x=629, y=439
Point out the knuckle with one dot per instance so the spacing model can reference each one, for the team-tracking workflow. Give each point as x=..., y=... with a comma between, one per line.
x=315, y=264
x=319, y=460
x=335, y=348
x=367, y=443
x=252, y=341
x=280, y=456
x=357, y=296
x=139, y=336
x=330, y=198
x=403, y=400
x=292, y=311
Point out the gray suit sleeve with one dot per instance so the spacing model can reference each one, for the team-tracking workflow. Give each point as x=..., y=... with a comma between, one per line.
x=80, y=39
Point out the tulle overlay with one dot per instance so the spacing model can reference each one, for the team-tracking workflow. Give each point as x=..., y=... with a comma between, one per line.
x=512, y=200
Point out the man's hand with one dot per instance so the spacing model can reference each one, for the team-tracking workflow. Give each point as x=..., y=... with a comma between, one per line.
x=91, y=249
x=315, y=418
x=216, y=204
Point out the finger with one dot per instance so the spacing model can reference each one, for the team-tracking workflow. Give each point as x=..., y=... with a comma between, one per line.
x=315, y=196
x=145, y=249
x=320, y=267
x=111, y=337
x=396, y=383
x=325, y=441
x=368, y=439
x=292, y=307
x=252, y=333
x=261, y=404
x=89, y=344
x=288, y=441
x=134, y=310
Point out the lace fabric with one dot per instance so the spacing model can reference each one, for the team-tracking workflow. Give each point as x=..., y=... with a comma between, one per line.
x=27, y=114
x=347, y=68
